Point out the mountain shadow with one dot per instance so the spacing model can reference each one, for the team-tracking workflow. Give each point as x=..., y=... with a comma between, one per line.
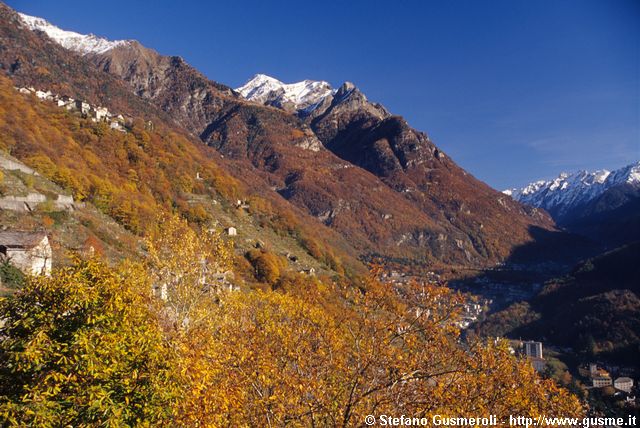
x=594, y=309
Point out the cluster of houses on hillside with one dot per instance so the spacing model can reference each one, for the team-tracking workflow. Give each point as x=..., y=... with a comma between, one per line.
x=95, y=113
x=401, y=278
x=472, y=311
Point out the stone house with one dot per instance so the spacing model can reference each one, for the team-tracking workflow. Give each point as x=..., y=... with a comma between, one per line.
x=115, y=125
x=28, y=251
x=231, y=231
x=66, y=102
x=82, y=106
x=99, y=113
x=70, y=103
x=44, y=95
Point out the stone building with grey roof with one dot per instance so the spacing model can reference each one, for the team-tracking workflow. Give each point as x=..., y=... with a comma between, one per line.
x=28, y=251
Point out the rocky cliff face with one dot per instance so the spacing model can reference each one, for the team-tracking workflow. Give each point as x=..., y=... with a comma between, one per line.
x=405, y=159
x=169, y=82
x=349, y=163
x=367, y=135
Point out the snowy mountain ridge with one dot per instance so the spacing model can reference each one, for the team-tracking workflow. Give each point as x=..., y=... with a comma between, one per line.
x=299, y=96
x=568, y=191
x=81, y=43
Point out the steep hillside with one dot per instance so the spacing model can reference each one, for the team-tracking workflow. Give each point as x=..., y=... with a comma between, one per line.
x=72, y=227
x=367, y=135
x=382, y=185
x=64, y=72
x=133, y=175
x=408, y=162
x=423, y=203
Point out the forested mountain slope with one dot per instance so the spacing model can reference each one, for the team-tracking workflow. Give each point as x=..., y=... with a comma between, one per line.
x=408, y=199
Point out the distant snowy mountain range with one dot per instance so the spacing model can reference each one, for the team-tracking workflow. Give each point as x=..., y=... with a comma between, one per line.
x=82, y=43
x=567, y=192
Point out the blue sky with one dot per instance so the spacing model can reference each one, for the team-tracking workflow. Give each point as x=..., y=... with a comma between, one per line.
x=512, y=90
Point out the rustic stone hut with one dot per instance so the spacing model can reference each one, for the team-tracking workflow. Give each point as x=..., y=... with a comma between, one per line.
x=28, y=251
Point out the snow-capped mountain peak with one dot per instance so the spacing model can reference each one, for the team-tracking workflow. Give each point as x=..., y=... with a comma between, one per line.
x=568, y=191
x=259, y=88
x=81, y=43
x=304, y=95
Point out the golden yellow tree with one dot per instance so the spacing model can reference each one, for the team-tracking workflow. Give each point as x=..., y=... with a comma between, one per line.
x=90, y=346
x=185, y=267
x=84, y=348
x=329, y=357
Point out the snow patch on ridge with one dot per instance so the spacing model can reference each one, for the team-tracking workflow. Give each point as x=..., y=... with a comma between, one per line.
x=81, y=43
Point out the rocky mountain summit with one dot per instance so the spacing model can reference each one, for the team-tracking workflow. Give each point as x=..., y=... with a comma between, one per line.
x=308, y=98
x=302, y=97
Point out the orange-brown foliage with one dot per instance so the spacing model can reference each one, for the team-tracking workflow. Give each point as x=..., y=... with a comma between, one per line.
x=130, y=176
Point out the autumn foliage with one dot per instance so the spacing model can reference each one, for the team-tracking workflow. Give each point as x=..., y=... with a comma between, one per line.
x=135, y=175
x=130, y=176
x=92, y=346
x=83, y=348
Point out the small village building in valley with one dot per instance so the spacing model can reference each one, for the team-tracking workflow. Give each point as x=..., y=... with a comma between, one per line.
x=533, y=351
x=624, y=384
